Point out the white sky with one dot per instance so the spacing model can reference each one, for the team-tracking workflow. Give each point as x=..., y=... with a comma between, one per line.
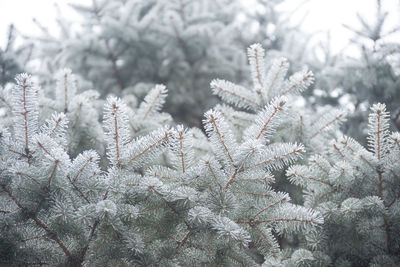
x=321, y=15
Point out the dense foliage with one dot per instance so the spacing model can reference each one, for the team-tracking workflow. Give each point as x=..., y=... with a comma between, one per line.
x=185, y=155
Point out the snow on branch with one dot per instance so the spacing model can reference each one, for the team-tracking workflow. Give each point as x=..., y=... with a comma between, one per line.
x=298, y=82
x=65, y=88
x=116, y=128
x=267, y=120
x=25, y=109
x=257, y=64
x=276, y=76
x=220, y=135
x=378, y=130
x=235, y=94
x=153, y=102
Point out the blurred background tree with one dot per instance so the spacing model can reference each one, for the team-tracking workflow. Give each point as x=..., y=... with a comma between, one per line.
x=367, y=75
x=132, y=45
x=12, y=58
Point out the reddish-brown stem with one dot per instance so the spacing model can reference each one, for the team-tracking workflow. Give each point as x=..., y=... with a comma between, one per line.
x=116, y=137
x=148, y=148
x=277, y=157
x=151, y=106
x=184, y=239
x=78, y=190
x=320, y=130
x=25, y=113
x=245, y=99
x=268, y=207
x=253, y=194
x=49, y=232
x=305, y=78
x=268, y=121
x=276, y=220
x=181, y=151
x=220, y=138
x=313, y=178
x=213, y=174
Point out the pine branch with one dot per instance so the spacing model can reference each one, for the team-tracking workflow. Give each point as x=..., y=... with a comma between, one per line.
x=65, y=88
x=149, y=147
x=268, y=207
x=25, y=110
x=276, y=75
x=234, y=94
x=50, y=233
x=256, y=59
x=153, y=101
x=116, y=128
x=326, y=125
x=299, y=82
x=251, y=222
x=213, y=174
x=288, y=154
x=217, y=130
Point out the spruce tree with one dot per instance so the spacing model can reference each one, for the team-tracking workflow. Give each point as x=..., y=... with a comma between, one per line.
x=357, y=191
x=164, y=197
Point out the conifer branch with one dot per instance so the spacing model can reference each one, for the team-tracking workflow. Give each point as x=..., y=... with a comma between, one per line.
x=34, y=237
x=238, y=169
x=29, y=176
x=275, y=111
x=277, y=220
x=153, y=101
x=53, y=172
x=25, y=113
x=25, y=105
x=277, y=71
x=253, y=194
x=319, y=166
x=81, y=169
x=213, y=120
x=116, y=137
x=116, y=128
x=296, y=174
x=78, y=190
x=184, y=240
x=265, y=240
x=213, y=174
x=378, y=137
x=278, y=157
x=157, y=142
x=181, y=151
x=89, y=239
x=50, y=233
x=268, y=207
x=151, y=188
x=234, y=94
x=299, y=82
x=327, y=125
x=256, y=58
x=5, y=211
x=267, y=178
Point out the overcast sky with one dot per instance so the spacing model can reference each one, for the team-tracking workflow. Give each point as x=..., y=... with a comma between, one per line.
x=321, y=15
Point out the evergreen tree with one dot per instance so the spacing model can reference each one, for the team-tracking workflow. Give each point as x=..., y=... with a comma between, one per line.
x=357, y=191
x=182, y=44
x=169, y=196
x=10, y=58
x=370, y=74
